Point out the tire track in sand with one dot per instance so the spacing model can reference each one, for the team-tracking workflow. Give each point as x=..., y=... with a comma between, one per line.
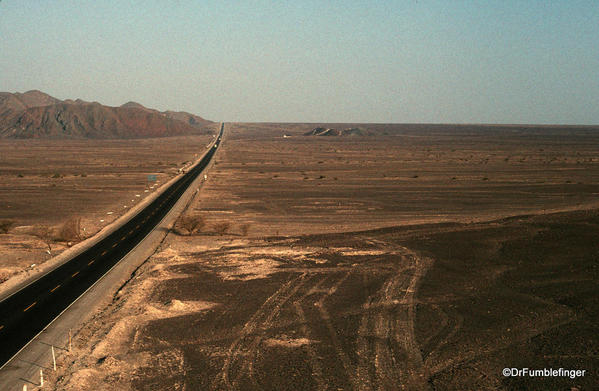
x=388, y=325
x=260, y=320
x=413, y=373
x=324, y=314
x=317, y=372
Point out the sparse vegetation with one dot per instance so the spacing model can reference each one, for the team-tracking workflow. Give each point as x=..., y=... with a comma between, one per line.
x=192, y=223
x=70, y=230
x=222, y=228
x=56, y=175
x=45, y=234
x=244, y=228
x=5, y=226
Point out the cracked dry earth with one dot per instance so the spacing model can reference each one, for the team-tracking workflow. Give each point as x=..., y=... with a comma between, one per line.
x=260, y=314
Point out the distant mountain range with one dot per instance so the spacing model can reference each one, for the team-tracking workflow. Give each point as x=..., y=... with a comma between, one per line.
x=34, y=114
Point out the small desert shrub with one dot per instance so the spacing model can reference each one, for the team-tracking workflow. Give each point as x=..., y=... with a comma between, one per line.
x=222, y=228
x=20, y=175
x=192, y=223
x=5, y=226
x=56, y=175
x=70, y=230
x=244, y=228
x=46, y=235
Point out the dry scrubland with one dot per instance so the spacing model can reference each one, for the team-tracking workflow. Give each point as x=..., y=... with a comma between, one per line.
x=45, y=183
x=303, y=184
x=317, y=296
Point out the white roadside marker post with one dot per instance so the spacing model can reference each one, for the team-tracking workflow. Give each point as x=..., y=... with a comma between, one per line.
x=41, y=378
x=53, y=358
x=24, y=387
x=69, y=340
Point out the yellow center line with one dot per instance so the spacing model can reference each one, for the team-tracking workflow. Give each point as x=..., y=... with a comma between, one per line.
x=104, y=253
x=32, y=304
x=74, y=274
x=90, y=262
x=131, y=232
x=114, y=245
x=55, y=288
x=1, y=327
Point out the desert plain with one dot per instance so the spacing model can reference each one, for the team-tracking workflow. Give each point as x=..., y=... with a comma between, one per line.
x=416, y=257
x=45, y=183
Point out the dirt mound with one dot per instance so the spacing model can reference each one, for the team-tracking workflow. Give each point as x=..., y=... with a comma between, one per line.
x=317, y=132
x=338, y=132
x=38, y=115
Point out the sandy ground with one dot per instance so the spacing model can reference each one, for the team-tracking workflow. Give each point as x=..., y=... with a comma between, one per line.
x=298, y=184
x=415, y=308
x=317, y=296
x=43, y=183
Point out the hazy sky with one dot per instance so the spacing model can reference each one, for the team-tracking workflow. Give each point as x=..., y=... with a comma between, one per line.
x=503, y=61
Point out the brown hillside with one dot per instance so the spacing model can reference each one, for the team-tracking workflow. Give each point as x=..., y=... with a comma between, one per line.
x=12, y=104
x=37, y=115
x=133, y=105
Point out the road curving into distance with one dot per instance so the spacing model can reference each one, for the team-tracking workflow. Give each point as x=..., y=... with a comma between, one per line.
x=30, y=310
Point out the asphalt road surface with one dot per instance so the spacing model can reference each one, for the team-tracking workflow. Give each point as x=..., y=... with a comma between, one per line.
x=28, y=311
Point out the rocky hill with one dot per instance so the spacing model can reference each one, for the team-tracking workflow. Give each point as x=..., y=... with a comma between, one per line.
x=34, y=114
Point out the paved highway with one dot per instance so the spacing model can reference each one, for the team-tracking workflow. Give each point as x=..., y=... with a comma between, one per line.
x=27, y=312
